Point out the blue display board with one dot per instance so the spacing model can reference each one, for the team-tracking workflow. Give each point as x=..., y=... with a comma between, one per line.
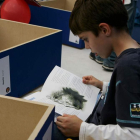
x=31, y=63
x=54, y=18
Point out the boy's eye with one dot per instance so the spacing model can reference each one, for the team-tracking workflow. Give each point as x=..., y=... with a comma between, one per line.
x=85, y=39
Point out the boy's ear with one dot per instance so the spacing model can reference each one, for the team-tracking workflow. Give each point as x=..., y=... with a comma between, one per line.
x=105, y=29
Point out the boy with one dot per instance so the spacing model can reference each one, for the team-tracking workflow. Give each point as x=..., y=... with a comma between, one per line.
x=108, y=63
x=102, y=24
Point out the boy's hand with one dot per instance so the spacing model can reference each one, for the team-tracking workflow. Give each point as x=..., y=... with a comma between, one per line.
x=92, y=81
x=69, y=125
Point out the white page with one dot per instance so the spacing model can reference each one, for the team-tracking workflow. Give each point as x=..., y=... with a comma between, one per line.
x=60, y=79
x=65, y=78
x=73, y=38
x=37, y=96
x=60, y=109
x=5, y=84
x=33, y=97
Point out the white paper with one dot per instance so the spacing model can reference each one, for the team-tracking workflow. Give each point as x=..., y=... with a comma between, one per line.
x=36, y=97
x=33, y=97
x=60, y=79
x=48, y=134
x=5, y=85
x=73, y=38
x=127, y=2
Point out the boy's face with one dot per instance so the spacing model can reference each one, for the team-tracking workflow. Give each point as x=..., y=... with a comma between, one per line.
x=100, y=45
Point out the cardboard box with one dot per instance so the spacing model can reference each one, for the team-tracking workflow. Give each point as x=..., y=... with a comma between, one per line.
x=28, y=53
x=25, y=120
x=56, y=14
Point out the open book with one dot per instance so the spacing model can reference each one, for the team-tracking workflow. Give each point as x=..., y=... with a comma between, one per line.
x=68, y=93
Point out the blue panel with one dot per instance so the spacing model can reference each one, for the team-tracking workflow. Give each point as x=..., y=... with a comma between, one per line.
x=138, y=5
x=136, y=33
x=31, y=63
x=54, y=18
x=46, y=125
x=136, y=30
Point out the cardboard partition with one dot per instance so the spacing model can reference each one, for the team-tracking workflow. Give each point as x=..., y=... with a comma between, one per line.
x=56, y=14
x=66, y=5
x=25, y=120
x=28, y=53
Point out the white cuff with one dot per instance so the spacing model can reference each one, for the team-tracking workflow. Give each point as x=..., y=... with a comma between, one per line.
x=127, y=2
x=105, y=87
x=82, y=133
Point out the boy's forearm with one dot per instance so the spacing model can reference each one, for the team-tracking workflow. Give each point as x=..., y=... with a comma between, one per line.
x=99, y=84
x=109, y=132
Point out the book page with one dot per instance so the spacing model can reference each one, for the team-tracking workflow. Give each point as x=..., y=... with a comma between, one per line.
x=68, y=93
x=65, y=78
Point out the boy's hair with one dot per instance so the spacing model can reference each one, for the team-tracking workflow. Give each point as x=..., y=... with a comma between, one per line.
x=88, y=14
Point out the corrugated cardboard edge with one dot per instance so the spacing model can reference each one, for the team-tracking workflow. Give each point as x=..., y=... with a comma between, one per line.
x=42, y=120
x=55, y=31
x=41, y=3
x=41, y=123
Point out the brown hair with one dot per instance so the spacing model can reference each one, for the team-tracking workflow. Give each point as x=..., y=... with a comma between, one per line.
x=88, y=14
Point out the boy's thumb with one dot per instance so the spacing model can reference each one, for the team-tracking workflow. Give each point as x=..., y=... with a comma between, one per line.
x=65, y=115
x=87, y=81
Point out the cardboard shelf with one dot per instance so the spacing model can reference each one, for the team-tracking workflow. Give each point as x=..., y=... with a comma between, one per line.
x=21, y=119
